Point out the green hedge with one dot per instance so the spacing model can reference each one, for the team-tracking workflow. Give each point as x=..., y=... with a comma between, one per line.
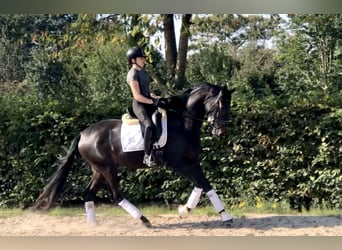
x=288, y=155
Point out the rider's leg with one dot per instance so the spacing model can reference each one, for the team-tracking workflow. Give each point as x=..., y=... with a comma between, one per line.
x=144, y=114
x=148, y=142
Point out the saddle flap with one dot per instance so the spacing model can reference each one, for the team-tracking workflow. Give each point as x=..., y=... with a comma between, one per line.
x=131, y=136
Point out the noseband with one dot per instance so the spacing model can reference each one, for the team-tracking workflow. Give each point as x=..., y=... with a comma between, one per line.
x=212, y=109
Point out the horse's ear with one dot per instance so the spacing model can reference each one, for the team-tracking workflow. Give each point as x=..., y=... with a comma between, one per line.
x=228, y=91
x=231, y=91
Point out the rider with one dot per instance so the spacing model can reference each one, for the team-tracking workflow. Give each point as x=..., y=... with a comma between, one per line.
x=145, y=102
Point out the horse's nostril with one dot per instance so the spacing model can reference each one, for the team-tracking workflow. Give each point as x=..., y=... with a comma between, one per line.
x=221, y=132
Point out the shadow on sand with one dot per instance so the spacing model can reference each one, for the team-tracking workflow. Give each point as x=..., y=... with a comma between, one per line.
x=263, y=223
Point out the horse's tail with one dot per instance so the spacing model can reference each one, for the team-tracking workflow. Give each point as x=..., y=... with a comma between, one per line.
x=52, y=190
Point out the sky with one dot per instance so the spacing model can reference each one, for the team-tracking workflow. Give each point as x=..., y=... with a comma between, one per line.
x=178, y=23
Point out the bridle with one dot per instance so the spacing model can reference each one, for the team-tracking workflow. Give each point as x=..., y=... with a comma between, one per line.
x=212, y=109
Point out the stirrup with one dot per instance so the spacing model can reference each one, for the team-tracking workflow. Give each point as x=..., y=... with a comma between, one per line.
x=148, y=160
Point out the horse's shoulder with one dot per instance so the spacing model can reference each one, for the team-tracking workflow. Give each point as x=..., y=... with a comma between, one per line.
x=102, y=124
x=108, y=121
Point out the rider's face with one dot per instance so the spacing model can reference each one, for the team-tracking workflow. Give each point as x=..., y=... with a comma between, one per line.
x=140, y=61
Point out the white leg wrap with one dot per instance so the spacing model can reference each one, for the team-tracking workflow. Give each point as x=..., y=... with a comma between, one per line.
x=192, y=202
x=215, y=200
x=131, y=209
x=90, y=212
x=183, y=211
x=194, y=198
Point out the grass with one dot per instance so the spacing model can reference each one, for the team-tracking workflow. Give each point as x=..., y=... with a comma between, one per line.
x=10, y=212
x=153, y=210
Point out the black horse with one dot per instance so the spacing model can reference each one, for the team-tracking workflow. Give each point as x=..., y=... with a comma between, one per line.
x=100, y=145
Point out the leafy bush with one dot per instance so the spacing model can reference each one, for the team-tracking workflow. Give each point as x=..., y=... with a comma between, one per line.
x=292, y=154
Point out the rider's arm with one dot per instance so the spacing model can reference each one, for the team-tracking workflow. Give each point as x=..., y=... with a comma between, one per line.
x=134, y=85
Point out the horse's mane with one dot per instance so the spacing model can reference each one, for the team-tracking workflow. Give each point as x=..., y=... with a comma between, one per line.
x=210, y=87
x=178, y=101
x=204, y=85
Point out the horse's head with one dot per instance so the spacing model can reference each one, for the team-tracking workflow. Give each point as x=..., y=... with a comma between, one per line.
x=217, y=107
x=213, y=101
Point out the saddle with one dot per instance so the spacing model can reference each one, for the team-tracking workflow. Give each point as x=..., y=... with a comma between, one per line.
x=131, y=132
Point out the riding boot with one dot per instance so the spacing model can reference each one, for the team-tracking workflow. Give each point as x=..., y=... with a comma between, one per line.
x=148, y=144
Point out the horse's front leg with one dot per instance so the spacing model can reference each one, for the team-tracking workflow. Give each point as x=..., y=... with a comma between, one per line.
x=218, y=205
x=201, y=183
x=191, y=203
x=193, y=200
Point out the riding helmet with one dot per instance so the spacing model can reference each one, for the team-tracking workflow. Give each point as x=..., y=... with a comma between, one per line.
x=134, y=52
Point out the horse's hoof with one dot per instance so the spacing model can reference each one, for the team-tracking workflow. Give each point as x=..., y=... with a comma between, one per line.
x=228, y=223
x=183, y=211
x=145, y=222
x=93, y=223
x=226, y=217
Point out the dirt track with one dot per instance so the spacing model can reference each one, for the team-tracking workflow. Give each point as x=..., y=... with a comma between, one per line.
x=33, y=224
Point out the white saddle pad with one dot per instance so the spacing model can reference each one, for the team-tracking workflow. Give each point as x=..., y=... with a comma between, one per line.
x=131, y=136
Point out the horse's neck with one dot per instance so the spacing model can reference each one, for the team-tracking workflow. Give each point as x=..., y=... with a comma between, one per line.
x=188, y=109
x=194, y=113
x=195, y=104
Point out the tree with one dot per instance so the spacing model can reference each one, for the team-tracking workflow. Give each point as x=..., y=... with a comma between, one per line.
x=176, y=60
x=19, y=38
x=233, y=29
x=182, y=51
x=170, y=45
x=15, y=43
x=140, y=28
x=312, y=52
x=212, y=64
x=232, y=49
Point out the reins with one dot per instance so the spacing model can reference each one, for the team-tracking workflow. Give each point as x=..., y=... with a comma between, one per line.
x=187, y=114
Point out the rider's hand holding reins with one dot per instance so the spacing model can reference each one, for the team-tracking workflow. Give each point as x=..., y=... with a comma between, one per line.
x=160, y=103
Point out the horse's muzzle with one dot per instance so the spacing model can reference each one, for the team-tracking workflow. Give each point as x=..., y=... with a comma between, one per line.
x=218, y=132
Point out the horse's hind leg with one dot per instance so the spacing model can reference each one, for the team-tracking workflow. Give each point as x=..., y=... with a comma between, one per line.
x=111, y=177
x=134, y=212
x=90, y=195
